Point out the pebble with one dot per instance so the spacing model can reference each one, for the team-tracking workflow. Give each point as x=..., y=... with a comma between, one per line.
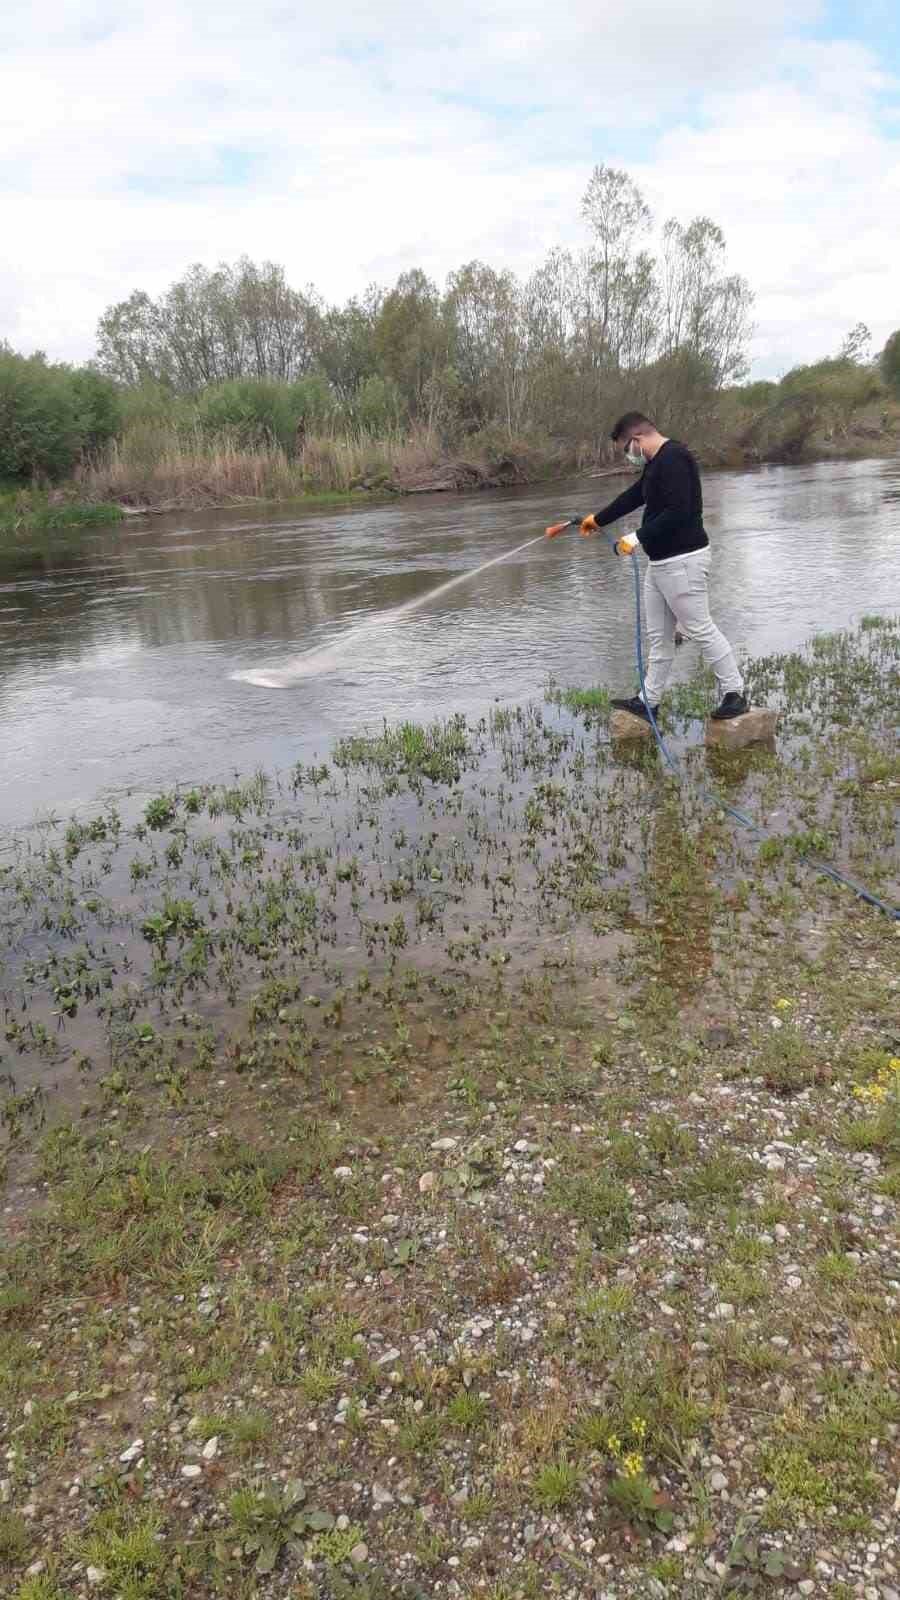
x=427, y=1182
x=723, y=1311
x=718, y=1482
x=381, y=1496
x=807, y=1586
x=359, y=1554
x=191, y=1470
x=133, y=1451
x=343, y=1173
x=445, y=1144
x=95, y=1575
x=211, y=1448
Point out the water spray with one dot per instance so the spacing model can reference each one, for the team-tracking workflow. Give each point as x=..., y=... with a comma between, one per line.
x=323, y=660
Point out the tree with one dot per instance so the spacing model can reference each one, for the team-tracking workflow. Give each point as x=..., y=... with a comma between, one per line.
x=705, y=310
x=616, y=212
x=856, y=345
x=488, y=345
x=241, y=321
x=411, y=342
x=344, y=344
x=889, y=363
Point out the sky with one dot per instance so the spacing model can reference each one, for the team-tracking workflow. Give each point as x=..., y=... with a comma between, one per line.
x=352, y=141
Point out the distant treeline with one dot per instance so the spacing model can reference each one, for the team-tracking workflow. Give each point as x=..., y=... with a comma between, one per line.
x=237, y=359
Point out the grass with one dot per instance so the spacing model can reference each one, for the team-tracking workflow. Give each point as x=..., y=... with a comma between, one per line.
x=395, y=1198
x=29, y=511
x=436, y=751
x=588, y=703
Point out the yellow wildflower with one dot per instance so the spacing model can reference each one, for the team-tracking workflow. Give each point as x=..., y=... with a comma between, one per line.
x=633, y=1464
x=783, y=1005
x=614, y=1445
x=885, y=1082
x=639, y=1428
x=873, y=1094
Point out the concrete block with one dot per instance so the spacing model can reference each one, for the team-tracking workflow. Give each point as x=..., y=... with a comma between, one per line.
x=756, y=726
x=622, y=725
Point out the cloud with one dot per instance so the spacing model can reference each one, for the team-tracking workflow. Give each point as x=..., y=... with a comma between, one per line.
x=354, y=144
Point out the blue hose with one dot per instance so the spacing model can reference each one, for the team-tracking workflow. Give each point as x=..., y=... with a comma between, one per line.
x=823, y=867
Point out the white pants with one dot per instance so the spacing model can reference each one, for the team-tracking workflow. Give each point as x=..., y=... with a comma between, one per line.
x=678, y=591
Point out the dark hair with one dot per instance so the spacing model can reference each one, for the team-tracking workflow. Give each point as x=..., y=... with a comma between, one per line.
x=632, y=422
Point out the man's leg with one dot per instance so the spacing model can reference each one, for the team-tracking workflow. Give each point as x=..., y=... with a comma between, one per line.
x=685, y=585
x=660, y=620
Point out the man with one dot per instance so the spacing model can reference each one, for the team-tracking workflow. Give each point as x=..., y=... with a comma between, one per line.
x=676, y=586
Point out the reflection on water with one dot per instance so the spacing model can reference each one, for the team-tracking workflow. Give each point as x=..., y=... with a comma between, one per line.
x=118, y=647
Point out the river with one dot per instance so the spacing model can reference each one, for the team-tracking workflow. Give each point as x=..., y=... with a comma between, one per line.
x=122, y=648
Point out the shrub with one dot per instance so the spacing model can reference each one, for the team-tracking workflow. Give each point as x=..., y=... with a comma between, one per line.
x=40, y=433
x=49, y=415
x=249, y=412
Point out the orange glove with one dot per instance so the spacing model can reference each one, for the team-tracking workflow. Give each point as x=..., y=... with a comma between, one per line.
x=627, y=545
x=588, y=527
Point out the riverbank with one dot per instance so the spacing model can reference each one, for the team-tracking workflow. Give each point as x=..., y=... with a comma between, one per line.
x=328, y=474
x=428, y=1176
x=29, y=511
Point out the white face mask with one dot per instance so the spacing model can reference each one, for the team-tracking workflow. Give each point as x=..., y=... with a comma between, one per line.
x=634, y=455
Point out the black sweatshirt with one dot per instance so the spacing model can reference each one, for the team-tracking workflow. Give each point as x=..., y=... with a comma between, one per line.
x=669, y=490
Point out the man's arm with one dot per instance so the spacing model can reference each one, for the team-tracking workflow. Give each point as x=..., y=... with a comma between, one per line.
x=629, y=500
x=677, y=488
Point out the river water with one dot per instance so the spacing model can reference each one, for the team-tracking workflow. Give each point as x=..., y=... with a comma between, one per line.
x=122, y=649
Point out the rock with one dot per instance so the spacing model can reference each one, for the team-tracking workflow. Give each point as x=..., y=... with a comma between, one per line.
x=191, y=1470
x=622, y=725
x=343, y=1173
x=359, y=1554
x=95, y=1575
x=427, y=1182
x=211, y=1448
x=756, y=726
x=381, y=1497
x=445, y=1144
x=723, y=1312
x=718, y=1482
x=132, y=1453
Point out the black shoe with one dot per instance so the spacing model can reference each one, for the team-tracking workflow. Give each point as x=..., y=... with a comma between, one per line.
x=733, y=705
x=635, y=705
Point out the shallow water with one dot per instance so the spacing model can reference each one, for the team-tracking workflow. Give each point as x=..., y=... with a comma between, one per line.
x=119, y=647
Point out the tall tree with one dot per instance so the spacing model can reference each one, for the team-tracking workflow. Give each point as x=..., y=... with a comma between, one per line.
x=617, y=213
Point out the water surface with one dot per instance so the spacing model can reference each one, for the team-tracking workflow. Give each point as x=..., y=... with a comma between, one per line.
x=119, y=646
